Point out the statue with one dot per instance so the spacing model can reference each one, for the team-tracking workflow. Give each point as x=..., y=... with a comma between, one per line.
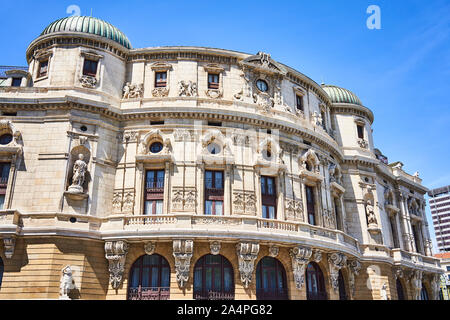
x=371, y=220
x=79, y=171
x=67, y=284
x=383, y=292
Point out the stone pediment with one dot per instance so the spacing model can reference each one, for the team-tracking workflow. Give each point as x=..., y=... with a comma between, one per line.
x=264, y=63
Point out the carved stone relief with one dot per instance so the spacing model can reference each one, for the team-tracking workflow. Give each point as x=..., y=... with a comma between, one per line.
x=116, y=253
x=182, y=252
x=247, y=254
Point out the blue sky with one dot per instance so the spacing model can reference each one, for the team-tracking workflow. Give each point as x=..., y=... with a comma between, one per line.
x=400, y=72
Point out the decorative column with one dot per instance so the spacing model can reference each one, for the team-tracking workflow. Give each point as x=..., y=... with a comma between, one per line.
x=182, y=251
x=409, y=246
x=354, y=267
x=247, y=253
x=300, y=258
x=258, y=193
x=116, y=253
x=227, y=190
x=166, y=208
x=336, y=261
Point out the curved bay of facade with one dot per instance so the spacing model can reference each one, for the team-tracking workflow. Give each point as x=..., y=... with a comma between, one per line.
x=198, y=173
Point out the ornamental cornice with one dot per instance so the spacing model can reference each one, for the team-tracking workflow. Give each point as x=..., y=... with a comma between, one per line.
x=347, y=108
x=162, y=113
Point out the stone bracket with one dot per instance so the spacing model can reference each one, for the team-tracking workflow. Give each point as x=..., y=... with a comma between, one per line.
x=336, y=261
x=182, y=251
x=10, y=244
x=116, y=253
x=247, y=253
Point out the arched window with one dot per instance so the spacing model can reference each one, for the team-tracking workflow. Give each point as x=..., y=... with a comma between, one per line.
x=2, y=268
x=424, y=293
x=213, y=278
x=315, y=284
x=342, y=291
x=271, y=280
x=400, y=292
x=149, y=279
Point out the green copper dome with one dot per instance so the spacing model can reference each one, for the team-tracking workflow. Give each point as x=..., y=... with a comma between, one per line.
x=341, y=95
x=88, y=25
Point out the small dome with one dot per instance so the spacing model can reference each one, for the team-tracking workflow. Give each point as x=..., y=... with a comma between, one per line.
x=341, y=95
x=88, y=25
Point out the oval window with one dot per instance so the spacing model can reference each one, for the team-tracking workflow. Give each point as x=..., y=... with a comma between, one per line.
x=6, y=139
x=267, y=155
x=156, y=147
x=262, y=85
x=214, y=148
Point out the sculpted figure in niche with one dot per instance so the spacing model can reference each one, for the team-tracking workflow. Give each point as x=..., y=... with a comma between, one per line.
x=371, y=220
x=79, y=171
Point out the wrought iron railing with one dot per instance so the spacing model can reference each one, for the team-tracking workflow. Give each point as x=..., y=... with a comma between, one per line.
x=155, y=184
x=214, y=295
x=151, y=293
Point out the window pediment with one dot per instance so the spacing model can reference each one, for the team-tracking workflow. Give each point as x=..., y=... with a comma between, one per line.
x=264, y=63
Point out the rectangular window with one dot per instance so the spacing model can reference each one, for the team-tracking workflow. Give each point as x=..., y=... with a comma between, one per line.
x=299, y=102
x=360, y=131
x=16, y=82
x=311, y=205
x=154, y=192
x=269, y=197
x=338, y=214
x=90, y=68
x=160, y=79
x=4, y=175
x=43, y=68
x=394, y=232
x=213, y=81
x=214, y=193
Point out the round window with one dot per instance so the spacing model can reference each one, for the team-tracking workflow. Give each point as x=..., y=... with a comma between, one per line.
x=267, y=154
x=156, y=147
x=214, y=148
x=6, y=139
x=262, y=85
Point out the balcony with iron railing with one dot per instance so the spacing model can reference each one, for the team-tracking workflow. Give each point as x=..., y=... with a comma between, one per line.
x=214, y=295
x=150, y=293
x=155, y=185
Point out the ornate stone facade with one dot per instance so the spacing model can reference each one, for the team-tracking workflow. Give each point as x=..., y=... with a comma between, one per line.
x=198, y=152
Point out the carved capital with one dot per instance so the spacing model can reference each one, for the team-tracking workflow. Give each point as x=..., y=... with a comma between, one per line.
x=247, y=253
x=182, y=252
x=116, y=253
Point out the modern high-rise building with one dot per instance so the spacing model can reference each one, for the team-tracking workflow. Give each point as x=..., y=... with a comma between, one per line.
x=440, y=211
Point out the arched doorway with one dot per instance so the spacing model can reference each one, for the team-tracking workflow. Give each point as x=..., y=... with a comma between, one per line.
x=271, y=281
x=149, y=279
x=424, y=293
x=315, y=284
x=213, y=278
x=400, y=291
x=341, y=283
